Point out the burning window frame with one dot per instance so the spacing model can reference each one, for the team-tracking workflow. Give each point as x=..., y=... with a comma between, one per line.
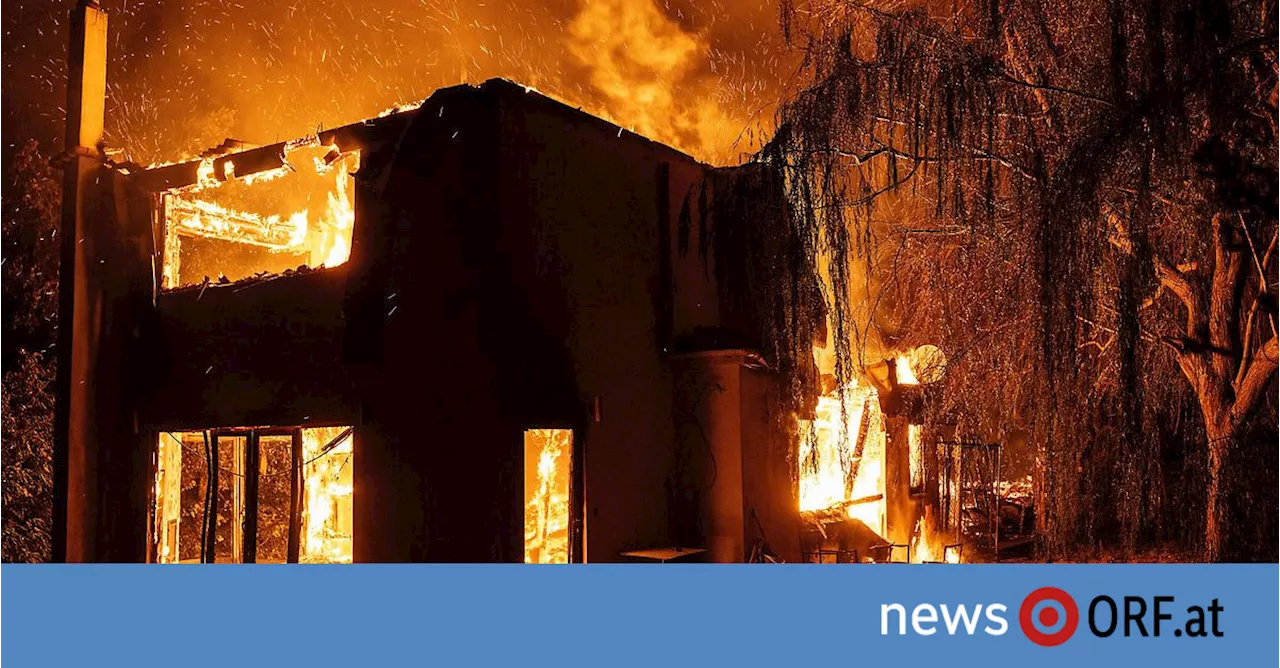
x=321, y=494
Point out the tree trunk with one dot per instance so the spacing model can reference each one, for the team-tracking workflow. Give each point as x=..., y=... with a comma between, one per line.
x=1216, y=529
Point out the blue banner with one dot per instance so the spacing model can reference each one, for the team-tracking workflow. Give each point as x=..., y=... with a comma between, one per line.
x=607, y=615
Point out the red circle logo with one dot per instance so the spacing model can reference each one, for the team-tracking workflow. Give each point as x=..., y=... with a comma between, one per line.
x=1048, y=616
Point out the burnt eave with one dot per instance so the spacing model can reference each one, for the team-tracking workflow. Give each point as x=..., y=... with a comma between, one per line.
x=347, y=138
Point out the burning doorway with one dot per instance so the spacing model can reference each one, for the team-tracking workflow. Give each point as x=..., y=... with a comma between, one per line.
x=269, y=495
x=548, y=492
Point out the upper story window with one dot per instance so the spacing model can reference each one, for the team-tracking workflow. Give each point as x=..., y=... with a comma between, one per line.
x=267, y=222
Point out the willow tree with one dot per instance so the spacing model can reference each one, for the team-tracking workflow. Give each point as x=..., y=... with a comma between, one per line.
x=1075, y=198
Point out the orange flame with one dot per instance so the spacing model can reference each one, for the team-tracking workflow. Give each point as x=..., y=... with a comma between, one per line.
x=828, y=451
x=327, y=523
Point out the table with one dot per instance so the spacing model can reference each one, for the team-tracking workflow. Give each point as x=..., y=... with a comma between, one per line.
x=664, y=554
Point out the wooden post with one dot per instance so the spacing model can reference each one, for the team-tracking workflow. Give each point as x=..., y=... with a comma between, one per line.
x=899, y=507
x=295, y=500
x=75, y=457
x=252, y=468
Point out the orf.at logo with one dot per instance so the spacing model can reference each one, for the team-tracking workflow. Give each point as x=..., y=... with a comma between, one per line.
x=1049, y=616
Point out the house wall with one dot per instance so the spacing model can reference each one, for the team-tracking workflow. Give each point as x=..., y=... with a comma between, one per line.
x=254, y=354
x=770, y=470
x=585, y=212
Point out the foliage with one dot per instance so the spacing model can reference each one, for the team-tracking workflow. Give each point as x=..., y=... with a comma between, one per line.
x=28, y=459
x=30, y=287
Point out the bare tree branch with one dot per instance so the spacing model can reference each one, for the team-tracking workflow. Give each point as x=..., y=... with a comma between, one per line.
x=1254, y=306
x=1250, y=390
x=1224, y=292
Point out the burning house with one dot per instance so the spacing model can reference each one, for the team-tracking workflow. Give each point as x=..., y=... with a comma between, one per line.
x=488, y=327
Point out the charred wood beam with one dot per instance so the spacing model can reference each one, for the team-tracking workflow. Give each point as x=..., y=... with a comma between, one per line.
x=356, y=136
x=855, y=463
x=194, y=218
x=864, y=499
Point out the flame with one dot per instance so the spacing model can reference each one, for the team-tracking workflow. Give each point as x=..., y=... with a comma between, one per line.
x=340, y=219
x=326, y=525
x=827, y=455
x=927, y=547
x=548, y=454
x=168, y=496
x=915, y=454
x=906, y=375
x=205, y=174
x=644, y=65
x=922, y=549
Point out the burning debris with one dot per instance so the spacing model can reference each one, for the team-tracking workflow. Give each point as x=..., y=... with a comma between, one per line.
x=866, y=465
x=842, y=457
